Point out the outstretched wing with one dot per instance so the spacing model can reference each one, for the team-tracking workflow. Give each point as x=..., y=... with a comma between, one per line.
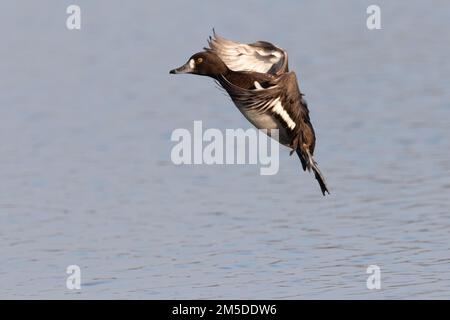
x=281, y=100
x=261, y=56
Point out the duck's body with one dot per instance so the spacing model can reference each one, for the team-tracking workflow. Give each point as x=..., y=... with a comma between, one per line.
x=257, y=78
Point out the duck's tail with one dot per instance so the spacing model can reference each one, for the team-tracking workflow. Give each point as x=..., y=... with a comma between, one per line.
x=309, y=163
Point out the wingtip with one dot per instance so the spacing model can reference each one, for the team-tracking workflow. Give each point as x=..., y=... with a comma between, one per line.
x=215, y=35
x=210, y=40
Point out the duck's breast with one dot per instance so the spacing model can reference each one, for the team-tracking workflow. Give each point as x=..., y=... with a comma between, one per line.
x=266, y=121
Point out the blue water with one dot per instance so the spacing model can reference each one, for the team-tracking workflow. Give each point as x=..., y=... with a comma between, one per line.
x=86, y=178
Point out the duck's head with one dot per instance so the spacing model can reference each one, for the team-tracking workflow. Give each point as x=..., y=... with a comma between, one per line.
x=204, y=64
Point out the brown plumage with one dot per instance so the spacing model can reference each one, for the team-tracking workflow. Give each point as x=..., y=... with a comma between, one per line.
x=263, y=89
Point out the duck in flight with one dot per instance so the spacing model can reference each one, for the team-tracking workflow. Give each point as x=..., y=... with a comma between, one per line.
x=258, y=80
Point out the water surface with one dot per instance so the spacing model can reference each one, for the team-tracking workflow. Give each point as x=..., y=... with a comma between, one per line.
x=86, y=177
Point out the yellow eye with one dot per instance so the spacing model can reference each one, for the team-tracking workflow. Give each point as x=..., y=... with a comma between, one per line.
x=199, y=60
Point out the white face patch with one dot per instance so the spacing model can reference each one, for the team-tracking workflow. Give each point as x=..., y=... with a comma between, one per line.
x=192, y=63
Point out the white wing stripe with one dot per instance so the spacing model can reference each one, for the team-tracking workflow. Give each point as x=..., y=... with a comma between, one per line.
x=277, y=107
x=258, y=86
